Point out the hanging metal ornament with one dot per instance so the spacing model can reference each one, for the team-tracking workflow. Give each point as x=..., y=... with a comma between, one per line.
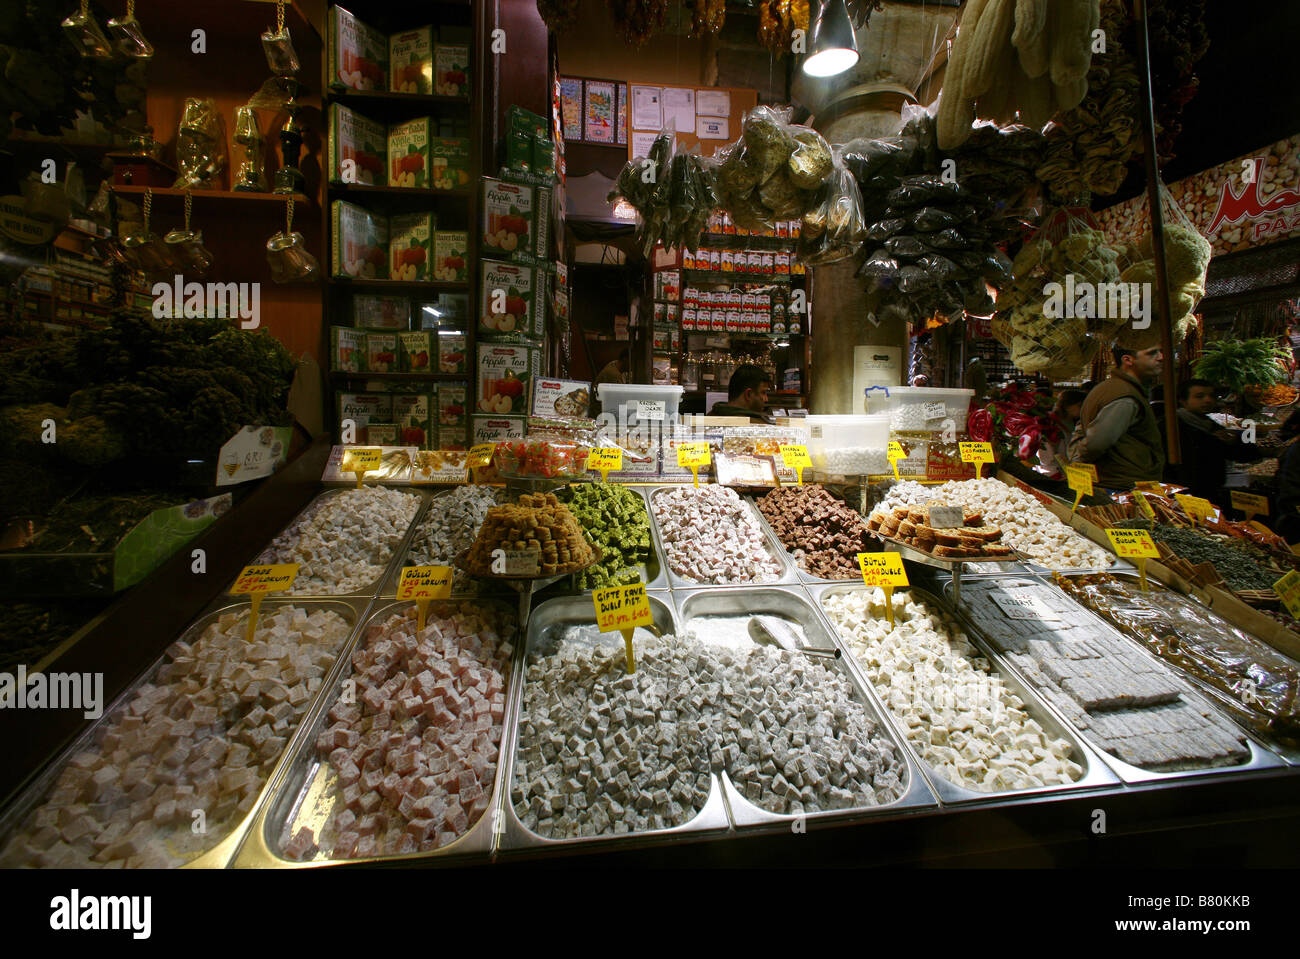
x=289, y=179
x=278, y=46
x=145, y=250
x=249, y=176
x=128, y=36
x=186, y=245
x=85, y=33
x=286, y=252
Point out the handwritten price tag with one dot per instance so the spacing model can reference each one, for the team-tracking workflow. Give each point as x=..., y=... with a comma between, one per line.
x=1196, y=508
x=361, y=460
x=692, y=456
x=795, y=456
x=623, y=608
x=423, y=583
x=886, y=571
x=1288, y=588
x=896, y=453
x=1134, y=544
x=604, y=461
x=1250, y=504
x=1084, y=467
x=257, y=581
x=977, y=453
x=480, y=455
x=1080, y=482
x=1143, y=505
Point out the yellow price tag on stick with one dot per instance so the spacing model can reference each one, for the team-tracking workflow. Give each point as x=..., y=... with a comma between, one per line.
x=1080, y=482
x=1134, y=544
x=605, y=460
x=977, y=453
x=896, y=453
x=692, y=456
x=1143, y=505
x=795, y=457
x=480, y=455
x=886, y=571
x=422, y=584
x=1085, y=467
x=256, y=581
x=1196, y=508
x=361, y=460
x=1288, y=589
x=1251, y=504
x=623, y=608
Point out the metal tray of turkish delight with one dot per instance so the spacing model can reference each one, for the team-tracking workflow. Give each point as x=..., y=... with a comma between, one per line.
x=806, y=579
x=1288, y=753
x=200, y=831
x=308, y=791
x=793, y=604
x=372, y=588
x=789, y=576
x=553, y=624
x=1095, y=774
x=1155, y=681
x=655, y=572
x=464, y=585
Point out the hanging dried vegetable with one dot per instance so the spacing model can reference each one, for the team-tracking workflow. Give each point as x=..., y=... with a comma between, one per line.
x=1089, y=147
x=639, y=20
x=672, y=193
x=558, y=14
x=774, y=171
x=1179, y=39
x=777, y=21
x=708, y=17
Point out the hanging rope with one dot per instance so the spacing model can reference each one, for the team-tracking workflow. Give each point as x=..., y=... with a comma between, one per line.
x=288, y=217
x=148, y=207
x=189, y=205
x=279, y=15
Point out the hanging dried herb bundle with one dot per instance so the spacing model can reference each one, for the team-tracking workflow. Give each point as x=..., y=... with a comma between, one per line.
x=639, y=20
x=777, y=21
x=708, y=17
x=558, y=14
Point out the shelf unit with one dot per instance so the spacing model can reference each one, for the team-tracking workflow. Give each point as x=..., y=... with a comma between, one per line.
x=455, y=208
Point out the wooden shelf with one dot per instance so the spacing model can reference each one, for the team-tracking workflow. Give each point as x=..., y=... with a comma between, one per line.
x=401, y=286
x=758, y=279
x=406, y=192
x=383, y=100
x=349, y=375
x=299, y=199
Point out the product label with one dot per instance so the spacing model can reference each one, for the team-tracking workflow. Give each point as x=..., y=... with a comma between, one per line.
x=449, y=256
x=425, y=582
x=947, y=517
x=508, y=215
x=516, y=562
x=650, y=410
x=381, y=353
x=416, y=348
x=410, y=246
x=410, y=61
x=271, y=578
x=451, y=69
x=1133, y=543
x=882, y=569
x=361, y=144
x=1024, y=604
x=408, y=153
x=934, y=411
x=622, y=607
x=1249, y=503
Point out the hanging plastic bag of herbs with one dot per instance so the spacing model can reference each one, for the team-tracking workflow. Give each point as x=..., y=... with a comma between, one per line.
x=672, y=192
x=835, y=227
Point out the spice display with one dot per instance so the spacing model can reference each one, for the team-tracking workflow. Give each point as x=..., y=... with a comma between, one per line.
x=773, y=172
x=413, y=756
x=1246, y=677
x=344, y=541
x=974, y=539
x=710, y=535
x=1044, y=337
x=672, y=193
x=615, y=519
x=1228, y=557
x=541, y=528
x=958, y=714
x=1026, y=56
x=1130, y=705
x=1026, y=525
x=203, y=733
x=645, y=743
x=822, y=533
x=1089, y=147
x=449, y=528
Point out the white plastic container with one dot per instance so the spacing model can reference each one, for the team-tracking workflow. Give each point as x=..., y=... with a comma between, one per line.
x=635, y=403
x=924, y=409
x=849, y=445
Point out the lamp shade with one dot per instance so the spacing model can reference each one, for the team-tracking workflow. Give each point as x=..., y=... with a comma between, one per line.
x=834, y=47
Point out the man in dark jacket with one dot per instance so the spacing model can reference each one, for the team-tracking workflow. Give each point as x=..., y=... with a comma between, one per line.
x=746, y=394
x=1206, y=446
x=1117, y=431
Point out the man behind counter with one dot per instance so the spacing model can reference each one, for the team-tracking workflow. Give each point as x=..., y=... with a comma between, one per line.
x=1117, y=430
x=746, y=394
x=1206, y=446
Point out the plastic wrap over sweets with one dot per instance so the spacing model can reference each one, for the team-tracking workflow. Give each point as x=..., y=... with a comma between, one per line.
x=200, y=146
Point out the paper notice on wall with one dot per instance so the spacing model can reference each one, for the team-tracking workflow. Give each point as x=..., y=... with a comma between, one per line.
x=679, y=108
x=647, y=110
x=642, y=142
x=713, y=103
x=713, y=128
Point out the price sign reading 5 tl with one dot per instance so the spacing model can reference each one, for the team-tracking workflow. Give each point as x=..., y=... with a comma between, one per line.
x=623, y=608
x=977, y=453
x=424, y=583
x=257, y=581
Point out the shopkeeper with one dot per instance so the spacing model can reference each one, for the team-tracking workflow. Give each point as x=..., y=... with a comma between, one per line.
x=1206, y=446
x=746, y=394
x=1117, y=430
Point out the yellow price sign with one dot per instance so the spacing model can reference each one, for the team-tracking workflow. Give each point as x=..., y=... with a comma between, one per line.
x=361, y=460
x=1249, y=503
x=896, y=453
x=1143, y=505
x=480, y=455
x=1085, y=467
x=1288, y=589
x=623, y=608
x=1196, y=508
x=424, y=583
x=605, y=460
x=977, y=453
x=692, y=456
x=1149, y=486
x=258, y=580
x=1134, y=544
x=795, y=456
x=886, y=571
x=1080, y=482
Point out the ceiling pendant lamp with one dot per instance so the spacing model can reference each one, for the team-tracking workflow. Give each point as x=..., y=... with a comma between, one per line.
x=834, y=46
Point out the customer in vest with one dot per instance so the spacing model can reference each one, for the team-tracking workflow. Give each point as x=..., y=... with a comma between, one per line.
x=1117, y=431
